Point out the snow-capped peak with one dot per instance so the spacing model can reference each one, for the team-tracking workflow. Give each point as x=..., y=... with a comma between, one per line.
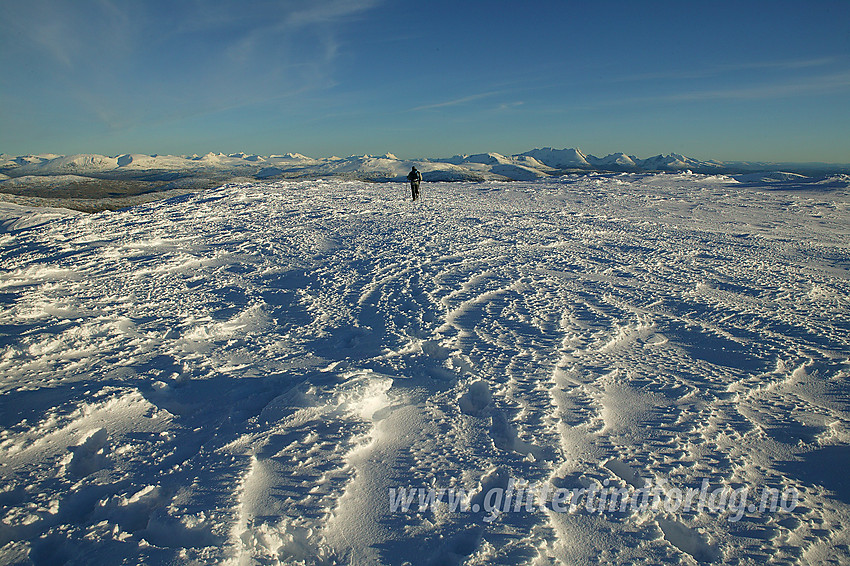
x=613, y=160
x=559, y=158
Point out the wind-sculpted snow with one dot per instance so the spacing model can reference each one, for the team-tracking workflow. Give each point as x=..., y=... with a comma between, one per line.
x=295, y=372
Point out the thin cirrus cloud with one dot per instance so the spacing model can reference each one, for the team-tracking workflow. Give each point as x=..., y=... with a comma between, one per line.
x=804, y=86
x=125, y=64
x=761, y=86
x=317, y=13
x=823, y=84
x=73, y=34
x=457, y=101
x=728, y=69
x=318, y=19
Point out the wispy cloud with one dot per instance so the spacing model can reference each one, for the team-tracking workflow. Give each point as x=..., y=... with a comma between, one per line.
x=458, y=101
x=70, y=34
x=823, y=84
x=320, y=19
x=510, y=105
x=819, y=85
x=136, y=63
x=321, y=13
x=731, y=68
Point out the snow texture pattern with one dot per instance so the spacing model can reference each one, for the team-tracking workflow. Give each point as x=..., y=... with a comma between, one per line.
x=240, y=375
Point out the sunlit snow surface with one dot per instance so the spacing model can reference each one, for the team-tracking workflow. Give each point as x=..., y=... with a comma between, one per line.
x=241, y=375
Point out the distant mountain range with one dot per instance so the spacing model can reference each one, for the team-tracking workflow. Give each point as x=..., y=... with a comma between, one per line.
x=531, y=164
x=93, y=176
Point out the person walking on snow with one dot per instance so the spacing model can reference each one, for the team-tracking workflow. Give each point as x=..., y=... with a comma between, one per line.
x=415, y=177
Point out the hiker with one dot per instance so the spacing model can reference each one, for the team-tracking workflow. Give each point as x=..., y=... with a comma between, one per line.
x=415, y=177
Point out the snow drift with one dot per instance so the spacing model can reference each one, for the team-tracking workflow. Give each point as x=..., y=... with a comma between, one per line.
x=315, y=372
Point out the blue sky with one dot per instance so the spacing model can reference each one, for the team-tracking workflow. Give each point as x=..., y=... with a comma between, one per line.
x=749, y=80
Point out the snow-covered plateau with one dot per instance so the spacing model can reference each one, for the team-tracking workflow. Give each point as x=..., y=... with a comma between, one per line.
x=613, y=368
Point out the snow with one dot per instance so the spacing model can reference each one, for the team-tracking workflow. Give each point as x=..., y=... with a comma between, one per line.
x=70, y=165
x=149, y=173
x=150, y=162
x=486, y=159
x=559, y=158
x=251, y=374
x=293, y=157
x=614, y=160
x=43, y=181
x=15, y=217
x=9, y=161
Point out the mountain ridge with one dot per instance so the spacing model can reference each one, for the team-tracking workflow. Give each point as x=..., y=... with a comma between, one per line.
x=94, y=176
x=546, y=161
